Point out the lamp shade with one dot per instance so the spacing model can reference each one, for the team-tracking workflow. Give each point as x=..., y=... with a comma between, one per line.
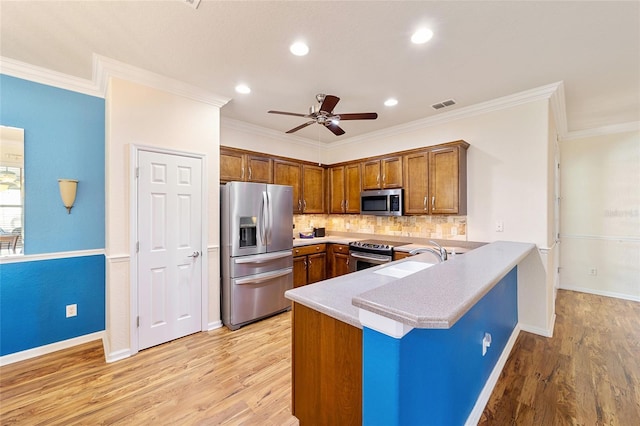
x=68, y=189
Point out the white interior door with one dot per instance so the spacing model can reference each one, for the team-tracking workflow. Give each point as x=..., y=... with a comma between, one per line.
x=170, y=243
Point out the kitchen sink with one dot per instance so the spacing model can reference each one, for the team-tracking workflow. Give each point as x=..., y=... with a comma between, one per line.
x=403, y=269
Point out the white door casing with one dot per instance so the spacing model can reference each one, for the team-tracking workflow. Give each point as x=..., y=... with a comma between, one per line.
x=169, y=228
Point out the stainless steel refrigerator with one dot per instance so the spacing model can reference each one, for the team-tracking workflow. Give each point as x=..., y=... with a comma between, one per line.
x=257, y=256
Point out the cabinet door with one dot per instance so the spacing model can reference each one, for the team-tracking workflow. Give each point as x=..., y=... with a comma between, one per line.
x=231, y=165
x=416, y=183
x=397, y=255
x=288, y=173
x=371, y=175
x=444, y=179
x=338, y=260
x=313, y=189
x=392, y=172
x=316, y=267
x=258, y=169
x=352, y=188
x=299, y=271
x=336, y=188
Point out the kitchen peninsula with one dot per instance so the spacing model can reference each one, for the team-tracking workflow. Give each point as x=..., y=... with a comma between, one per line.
x=407, y=342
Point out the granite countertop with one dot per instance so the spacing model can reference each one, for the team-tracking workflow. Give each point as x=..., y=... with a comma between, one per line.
x=435, y=297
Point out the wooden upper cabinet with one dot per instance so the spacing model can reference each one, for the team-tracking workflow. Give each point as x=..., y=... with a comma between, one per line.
x=336, y=189
x=344, y=182
x=382, y=174
x=289, y=173
x=237, y=165
x=313, y=193
x=448, y=180
x=259, y=168
x=371, y=175
x=231, y=165
x=352, y=188
x=416, y=183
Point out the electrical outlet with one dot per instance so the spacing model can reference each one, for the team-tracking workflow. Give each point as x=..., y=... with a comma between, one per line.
x=593, y=271
x=72, y=310
x=499, y=226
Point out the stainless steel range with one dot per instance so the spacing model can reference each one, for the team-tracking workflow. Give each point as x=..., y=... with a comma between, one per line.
x=368, y=253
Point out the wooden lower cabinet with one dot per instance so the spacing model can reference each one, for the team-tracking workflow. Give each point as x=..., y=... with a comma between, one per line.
x=327, y=369
x=397, y=255
x=309, y=264
x=338, y=255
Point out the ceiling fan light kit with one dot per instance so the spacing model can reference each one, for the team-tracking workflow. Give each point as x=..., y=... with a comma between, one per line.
x=324, y=115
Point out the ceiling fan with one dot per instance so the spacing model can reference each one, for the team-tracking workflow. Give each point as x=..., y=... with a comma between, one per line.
x=323, y=114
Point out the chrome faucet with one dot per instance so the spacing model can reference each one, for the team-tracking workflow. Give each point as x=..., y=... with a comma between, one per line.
x=441, y=252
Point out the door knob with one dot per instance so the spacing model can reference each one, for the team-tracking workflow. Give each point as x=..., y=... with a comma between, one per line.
x=194, y=254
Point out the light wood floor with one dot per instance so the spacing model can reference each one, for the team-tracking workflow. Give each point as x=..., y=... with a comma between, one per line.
x=587, y=374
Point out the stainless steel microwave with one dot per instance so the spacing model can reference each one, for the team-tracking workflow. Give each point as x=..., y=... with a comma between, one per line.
x=382, y=202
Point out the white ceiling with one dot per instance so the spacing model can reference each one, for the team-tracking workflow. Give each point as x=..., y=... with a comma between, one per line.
x=359, y=51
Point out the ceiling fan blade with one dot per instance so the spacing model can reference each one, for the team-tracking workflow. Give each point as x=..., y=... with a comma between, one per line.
x=359, y=116
x=329, y=103
x=302, y=126
x=334, y=128
x=295, y=114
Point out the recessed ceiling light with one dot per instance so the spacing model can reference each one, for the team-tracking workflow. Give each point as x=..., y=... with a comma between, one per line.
x=391, y=102
x=421, y=36
x=299, y=48
x=243, y=88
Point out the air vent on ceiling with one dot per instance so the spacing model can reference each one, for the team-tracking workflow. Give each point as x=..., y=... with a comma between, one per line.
x=443, y=104
x=193, y=3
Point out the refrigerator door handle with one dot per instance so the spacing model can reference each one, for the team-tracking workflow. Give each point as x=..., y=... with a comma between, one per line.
x=262, y=258
x=269, y=218
x=264, y=278
x=264, y=219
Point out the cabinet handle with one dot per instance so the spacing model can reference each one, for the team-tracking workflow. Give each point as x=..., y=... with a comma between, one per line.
x=424, y=203
x=346, y=205
x=249, y=173
x=299, y=205
x=242, y=173
x=304, y=205
x=317, y=247
x=342, y=205
x=305, y=263
x=384, y=179
x=433, y=203
x=378, y=178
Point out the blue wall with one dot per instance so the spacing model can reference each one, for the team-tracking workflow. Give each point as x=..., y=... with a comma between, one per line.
x=434, y=377
x=34, y=296
x=64, y=136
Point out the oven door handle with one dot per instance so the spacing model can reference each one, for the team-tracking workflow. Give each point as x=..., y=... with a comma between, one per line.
x=363, y=257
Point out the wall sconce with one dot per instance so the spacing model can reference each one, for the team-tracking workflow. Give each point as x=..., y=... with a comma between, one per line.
x=68, y=189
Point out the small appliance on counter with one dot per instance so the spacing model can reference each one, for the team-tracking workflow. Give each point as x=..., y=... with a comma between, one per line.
x=318, y=232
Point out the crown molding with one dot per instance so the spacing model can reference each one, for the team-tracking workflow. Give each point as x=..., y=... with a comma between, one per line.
x=633, y=126
x=543, y=92
x=49, y=77
x=256, y=130
x=105, y=68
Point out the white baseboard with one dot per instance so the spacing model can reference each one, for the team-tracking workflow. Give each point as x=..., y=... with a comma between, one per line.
x=213, y=325
x=484, y=396
x=53, y=347
x=601, y=292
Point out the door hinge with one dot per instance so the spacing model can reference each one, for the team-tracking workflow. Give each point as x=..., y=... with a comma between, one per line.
x=137, y=172
x=137, y=246
x=137, y=321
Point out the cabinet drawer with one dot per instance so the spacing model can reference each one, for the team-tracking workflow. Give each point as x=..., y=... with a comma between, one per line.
x=305, y=250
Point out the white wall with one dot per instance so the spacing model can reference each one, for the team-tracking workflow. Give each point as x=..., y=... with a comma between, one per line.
x=600, y=215
x=141, y=115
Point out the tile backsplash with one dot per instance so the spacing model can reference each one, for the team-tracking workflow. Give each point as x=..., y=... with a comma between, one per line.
x=437, y=227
